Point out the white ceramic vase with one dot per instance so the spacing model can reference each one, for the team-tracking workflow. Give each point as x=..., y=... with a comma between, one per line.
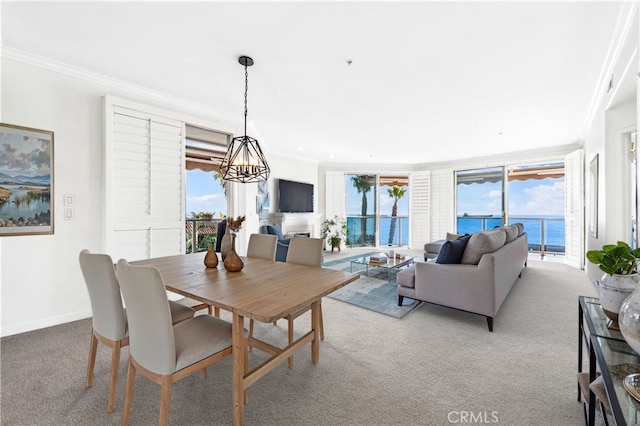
x=225, y=245
x=629, y=317
x=613, y=290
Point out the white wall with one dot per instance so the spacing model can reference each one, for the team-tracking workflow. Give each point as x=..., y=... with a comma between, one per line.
x=40, y=279
x=615, y=113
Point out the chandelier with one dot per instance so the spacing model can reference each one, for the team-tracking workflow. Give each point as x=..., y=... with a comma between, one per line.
x=244, y=161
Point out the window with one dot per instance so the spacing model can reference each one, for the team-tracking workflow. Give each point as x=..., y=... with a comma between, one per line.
x=205, y=200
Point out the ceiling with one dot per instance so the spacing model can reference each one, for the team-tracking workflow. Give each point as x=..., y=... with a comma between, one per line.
x=344, y=82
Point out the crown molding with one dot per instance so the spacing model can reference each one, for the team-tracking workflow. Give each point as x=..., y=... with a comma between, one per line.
x=106, y=81
x=626, y=18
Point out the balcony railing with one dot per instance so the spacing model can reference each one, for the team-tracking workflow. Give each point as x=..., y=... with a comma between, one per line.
x=545, y=235
x=400, y=236
x=199, y=233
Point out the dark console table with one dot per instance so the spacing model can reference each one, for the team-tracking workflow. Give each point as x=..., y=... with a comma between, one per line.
x=610, y=355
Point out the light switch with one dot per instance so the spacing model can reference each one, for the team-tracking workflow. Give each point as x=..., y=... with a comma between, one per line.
x=69, y=200
x=68, y=214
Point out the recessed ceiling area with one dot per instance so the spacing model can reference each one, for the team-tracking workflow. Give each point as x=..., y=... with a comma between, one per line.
x=344, y=82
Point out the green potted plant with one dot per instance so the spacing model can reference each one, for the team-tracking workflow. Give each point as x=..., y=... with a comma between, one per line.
x=616, y=259
x=334, y=231
x=619, y=262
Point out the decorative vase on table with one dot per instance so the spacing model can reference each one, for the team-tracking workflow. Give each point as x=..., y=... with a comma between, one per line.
x=233, y=262
x=211, y=258
x=225, y=245
x=613, y=290
x=629, y=317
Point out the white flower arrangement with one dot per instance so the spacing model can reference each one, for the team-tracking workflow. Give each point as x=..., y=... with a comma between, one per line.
x=334, y=229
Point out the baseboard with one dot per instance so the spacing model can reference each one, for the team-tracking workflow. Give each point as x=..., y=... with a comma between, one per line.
x=44, y=323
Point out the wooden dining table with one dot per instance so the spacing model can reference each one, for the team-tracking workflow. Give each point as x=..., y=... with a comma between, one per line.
x=264, y=291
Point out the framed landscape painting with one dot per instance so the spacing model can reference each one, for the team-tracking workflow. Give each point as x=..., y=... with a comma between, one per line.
x=26, y=181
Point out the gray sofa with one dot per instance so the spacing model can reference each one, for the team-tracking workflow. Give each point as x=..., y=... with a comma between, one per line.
x=490, y=264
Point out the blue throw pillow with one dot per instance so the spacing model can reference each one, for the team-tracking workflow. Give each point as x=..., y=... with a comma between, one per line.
x=451, y=251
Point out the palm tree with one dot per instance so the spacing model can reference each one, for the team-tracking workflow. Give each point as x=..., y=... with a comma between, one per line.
x=218, y=176
x=362, y=183
x=396, y=193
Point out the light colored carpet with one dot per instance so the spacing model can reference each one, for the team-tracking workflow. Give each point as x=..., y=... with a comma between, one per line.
x=427, y=369
x=375, y=289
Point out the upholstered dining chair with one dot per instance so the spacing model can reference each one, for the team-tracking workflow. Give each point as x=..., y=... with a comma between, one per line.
x=262, y=246
x=109, y=316
x=304, y=251
x=160, y=351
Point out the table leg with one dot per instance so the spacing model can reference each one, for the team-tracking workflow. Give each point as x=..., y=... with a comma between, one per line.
x=315, y=326
x=238, y=343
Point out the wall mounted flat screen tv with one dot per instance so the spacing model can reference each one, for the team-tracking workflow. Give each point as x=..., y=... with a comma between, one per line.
x=295, y=197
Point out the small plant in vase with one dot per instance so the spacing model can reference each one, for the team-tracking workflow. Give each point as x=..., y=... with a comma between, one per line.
x=619, y=262
x=334, y=231
x=233, y=262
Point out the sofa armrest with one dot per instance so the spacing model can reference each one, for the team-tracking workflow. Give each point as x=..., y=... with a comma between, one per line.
x=407, y=277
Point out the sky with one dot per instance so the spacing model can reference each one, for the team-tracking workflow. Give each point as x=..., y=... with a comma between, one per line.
x=204, y=193
x=540, y=197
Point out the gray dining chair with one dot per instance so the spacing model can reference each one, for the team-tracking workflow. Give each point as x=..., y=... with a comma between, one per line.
x=261, y=246
x=160, y=351
x=304, y=251
x=109, y=316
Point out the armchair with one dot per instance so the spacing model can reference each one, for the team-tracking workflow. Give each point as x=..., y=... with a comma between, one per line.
x=283, y=243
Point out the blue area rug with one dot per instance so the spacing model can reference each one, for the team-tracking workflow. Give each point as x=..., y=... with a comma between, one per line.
x=373, y=292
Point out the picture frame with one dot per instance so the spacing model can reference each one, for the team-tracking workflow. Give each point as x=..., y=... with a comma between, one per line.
x=263, y=201
x=26, y=181
x=593, y=199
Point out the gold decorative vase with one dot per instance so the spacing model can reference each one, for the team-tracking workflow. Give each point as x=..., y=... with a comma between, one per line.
x=233, y=262
x=211, y=258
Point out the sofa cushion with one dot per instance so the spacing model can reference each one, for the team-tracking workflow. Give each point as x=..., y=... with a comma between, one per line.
x=481, y=243
x=520, y=228
x=451, y=251
x=451, y=237
x=512, y=232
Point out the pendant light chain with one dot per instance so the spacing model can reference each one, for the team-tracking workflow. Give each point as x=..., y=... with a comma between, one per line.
x=246, y=90
x=244, y=161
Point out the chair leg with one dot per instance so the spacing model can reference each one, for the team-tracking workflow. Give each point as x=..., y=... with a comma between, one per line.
x=321, y=322
x=290, y=331
x=115, y=364
x=251, y=327
x=128, y=393
x=165, y=397
x=216, y=311
x=93, y=349
x=204, y=373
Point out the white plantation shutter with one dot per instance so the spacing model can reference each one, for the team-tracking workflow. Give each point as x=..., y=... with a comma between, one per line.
x=574, y=208
x=334, y=195
x=419, y=196
x=442, y=205
x=144, y=173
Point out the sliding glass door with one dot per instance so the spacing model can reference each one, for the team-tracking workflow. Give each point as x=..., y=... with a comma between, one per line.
x=361, y=210
x=480, y=199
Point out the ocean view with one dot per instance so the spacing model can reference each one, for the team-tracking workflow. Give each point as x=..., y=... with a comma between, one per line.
x=554, y=234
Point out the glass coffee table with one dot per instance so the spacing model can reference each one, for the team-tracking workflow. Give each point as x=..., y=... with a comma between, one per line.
x=389, y=264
